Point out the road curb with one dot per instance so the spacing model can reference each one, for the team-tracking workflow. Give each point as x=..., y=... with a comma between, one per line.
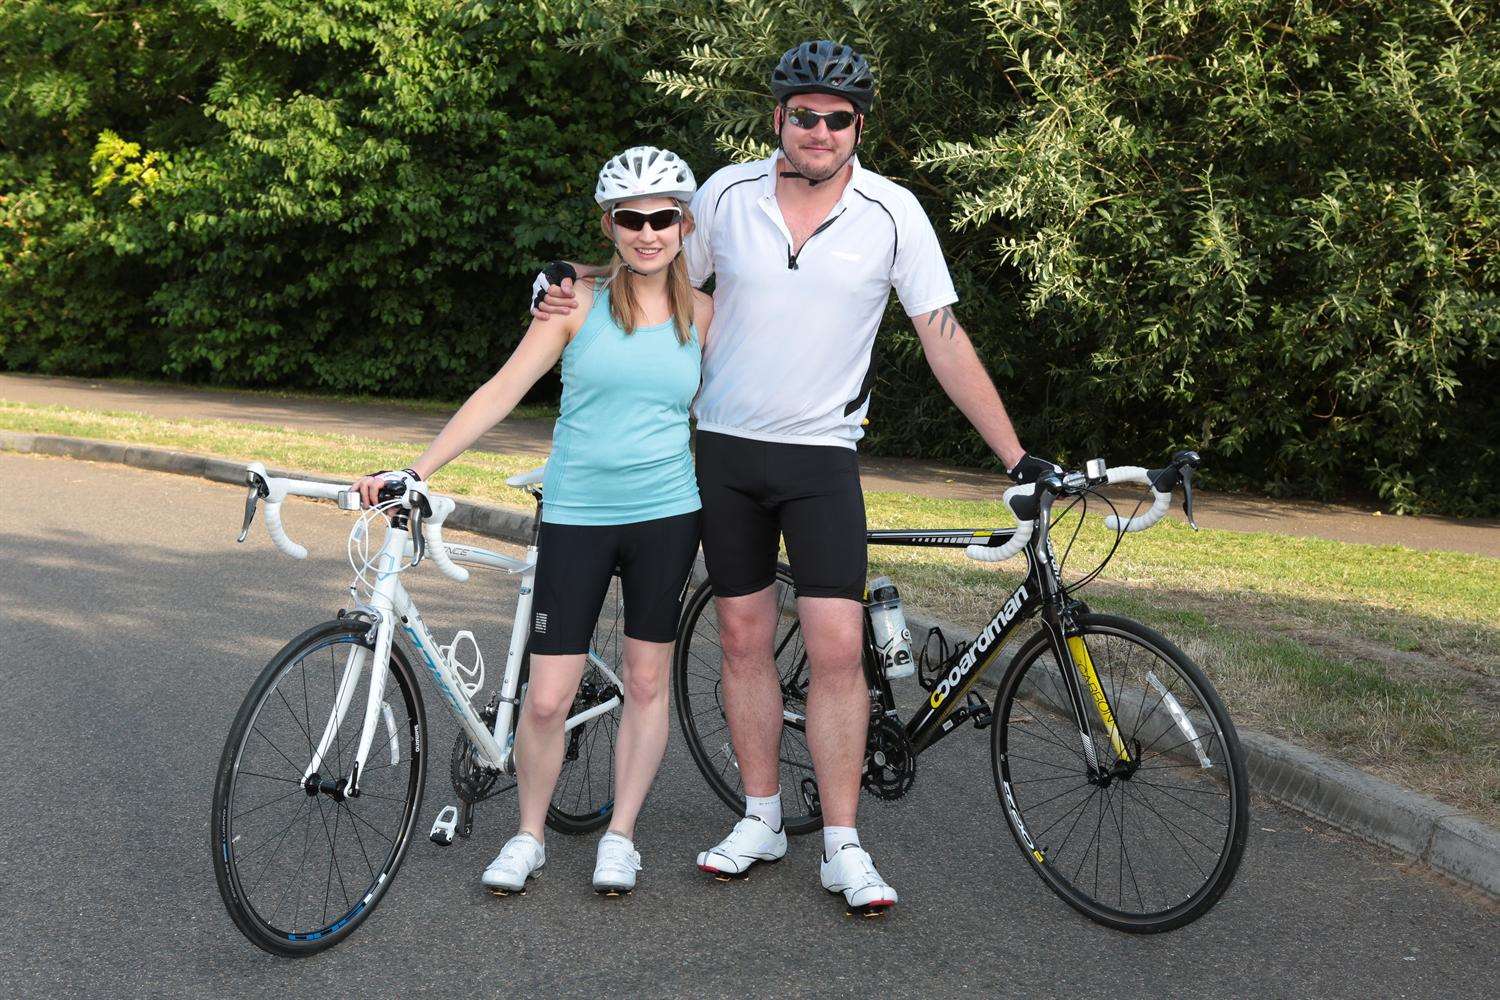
x=1450, y=842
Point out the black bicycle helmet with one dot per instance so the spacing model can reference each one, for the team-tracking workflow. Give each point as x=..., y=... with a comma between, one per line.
x=824, y=67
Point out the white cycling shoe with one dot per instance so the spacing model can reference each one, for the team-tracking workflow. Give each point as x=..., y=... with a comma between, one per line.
x=750, y=841
x=519, y=860
x=615, y=866
x=852, y=872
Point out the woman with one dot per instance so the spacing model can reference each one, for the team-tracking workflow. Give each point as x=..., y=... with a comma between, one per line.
x=619, y=491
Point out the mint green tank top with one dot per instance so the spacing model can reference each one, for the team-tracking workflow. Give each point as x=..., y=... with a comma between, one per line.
x=620, y=445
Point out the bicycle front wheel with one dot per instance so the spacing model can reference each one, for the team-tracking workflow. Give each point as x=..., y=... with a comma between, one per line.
x=1140, y=826
x=697, y=690
x=299, y=861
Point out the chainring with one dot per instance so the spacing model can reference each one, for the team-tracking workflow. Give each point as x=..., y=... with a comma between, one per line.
x=890, y=764
x=472, y=781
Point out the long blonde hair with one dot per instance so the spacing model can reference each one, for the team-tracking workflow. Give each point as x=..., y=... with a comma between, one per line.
x=624, y=308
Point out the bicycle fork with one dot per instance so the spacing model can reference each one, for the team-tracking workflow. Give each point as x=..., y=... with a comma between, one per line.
x=1078, y=673
x=375, y=706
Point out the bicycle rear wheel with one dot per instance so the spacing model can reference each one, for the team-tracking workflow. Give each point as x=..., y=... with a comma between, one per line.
x=1148, y=835
x=300, y=864
x=697, y=692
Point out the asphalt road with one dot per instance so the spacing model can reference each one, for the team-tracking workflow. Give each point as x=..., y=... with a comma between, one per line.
x=132, y=626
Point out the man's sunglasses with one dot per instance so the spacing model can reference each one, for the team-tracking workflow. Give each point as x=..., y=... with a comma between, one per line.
x=662, y=218
x=807, y=119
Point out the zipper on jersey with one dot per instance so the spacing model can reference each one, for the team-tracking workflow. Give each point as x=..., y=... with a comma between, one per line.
x=791, y=258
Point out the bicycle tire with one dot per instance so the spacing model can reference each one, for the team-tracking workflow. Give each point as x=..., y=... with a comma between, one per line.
x=589, y=748
x=1185, y=757
x=247, y=767
x=697, y=667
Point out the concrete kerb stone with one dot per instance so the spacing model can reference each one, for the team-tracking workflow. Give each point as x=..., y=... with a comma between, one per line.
x=1452, y=843
x=1467, y=850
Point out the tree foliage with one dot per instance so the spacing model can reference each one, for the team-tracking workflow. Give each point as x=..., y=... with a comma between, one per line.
x=347, y=194
x=1267, y=230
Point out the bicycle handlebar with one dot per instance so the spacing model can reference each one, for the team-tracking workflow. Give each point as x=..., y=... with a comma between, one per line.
x=1160, y=501
x=1024, y=502
x=432, y=528
x=274, y=490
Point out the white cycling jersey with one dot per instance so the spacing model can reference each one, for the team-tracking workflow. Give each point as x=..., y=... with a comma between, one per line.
x=790, y=356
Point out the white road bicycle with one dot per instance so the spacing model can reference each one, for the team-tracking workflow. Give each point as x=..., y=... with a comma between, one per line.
x=320, y=783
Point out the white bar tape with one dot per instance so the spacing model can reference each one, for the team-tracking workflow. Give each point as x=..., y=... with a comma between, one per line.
x=984, y=553
x=432, y=531
x=1159, y=506
x=278, y=533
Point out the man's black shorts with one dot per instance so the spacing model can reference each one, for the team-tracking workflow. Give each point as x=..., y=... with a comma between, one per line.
x=574, y=567
x=754, y=491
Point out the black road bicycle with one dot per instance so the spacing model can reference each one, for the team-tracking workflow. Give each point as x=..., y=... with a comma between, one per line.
x=1118, y=770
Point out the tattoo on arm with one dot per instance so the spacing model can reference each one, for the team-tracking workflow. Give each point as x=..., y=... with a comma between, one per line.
x=947, y=323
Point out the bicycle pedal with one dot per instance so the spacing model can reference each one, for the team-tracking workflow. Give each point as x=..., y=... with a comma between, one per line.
x=445, y=826
x=980, y=712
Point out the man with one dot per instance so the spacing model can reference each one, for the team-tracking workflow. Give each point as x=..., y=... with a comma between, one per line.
x=805, y=247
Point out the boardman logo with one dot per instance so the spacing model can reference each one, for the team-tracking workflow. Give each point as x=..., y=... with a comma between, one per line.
x=540, y=628
x=979, y=647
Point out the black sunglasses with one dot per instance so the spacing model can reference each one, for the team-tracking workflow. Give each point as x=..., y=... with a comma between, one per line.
x=807, y=119
x=662, y=218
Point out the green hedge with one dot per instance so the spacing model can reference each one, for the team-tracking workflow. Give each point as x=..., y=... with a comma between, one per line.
x=1267, y=230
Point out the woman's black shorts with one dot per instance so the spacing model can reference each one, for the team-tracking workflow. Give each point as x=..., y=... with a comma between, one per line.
x=574, y=566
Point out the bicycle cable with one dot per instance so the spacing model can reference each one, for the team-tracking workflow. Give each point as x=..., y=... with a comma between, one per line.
x=1088, y=578
x=358, y=549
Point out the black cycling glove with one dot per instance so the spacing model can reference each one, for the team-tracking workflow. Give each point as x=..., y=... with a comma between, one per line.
x=553, y=274
x=1030, y=468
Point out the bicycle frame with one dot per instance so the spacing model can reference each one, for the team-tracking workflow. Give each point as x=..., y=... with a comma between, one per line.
x=1041, y=590
x=391, y=606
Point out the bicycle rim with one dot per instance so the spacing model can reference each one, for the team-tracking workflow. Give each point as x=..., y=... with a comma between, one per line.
x=298, y=871
x=1150, y=837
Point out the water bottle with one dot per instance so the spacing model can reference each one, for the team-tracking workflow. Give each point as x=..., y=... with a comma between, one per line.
x=892, y=637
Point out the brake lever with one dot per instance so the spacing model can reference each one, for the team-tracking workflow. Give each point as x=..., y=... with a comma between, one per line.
x=418, y=541
x=257, y=490
x=1187, y=495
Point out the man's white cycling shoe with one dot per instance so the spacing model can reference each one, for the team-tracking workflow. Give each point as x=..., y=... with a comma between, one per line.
x=750, y=841
x=852, y=872
x=615, y=866
x=519, y=860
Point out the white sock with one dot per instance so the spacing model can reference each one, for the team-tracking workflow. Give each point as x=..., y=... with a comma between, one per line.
x=620, y=837
x=835, y=838
x=767, y=808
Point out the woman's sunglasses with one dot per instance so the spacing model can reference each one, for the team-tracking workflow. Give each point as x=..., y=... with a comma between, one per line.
x=662, y=218
x=807, y=119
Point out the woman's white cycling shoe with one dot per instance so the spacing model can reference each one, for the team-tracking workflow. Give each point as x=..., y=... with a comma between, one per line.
x=615, y=866
x=750, y=841
x=519, y=860
x=852, y=872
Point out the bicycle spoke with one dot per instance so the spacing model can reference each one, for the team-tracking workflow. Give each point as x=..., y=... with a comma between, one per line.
x=280, y=798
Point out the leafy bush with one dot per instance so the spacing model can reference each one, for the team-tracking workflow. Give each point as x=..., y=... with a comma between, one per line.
x=349, y=194
x=1266, y=230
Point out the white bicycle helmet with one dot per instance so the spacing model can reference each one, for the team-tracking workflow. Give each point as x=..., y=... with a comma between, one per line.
x=642, y=172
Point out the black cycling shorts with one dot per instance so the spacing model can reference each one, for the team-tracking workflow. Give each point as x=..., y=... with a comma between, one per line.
x=754, y=491
x=574, y=566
